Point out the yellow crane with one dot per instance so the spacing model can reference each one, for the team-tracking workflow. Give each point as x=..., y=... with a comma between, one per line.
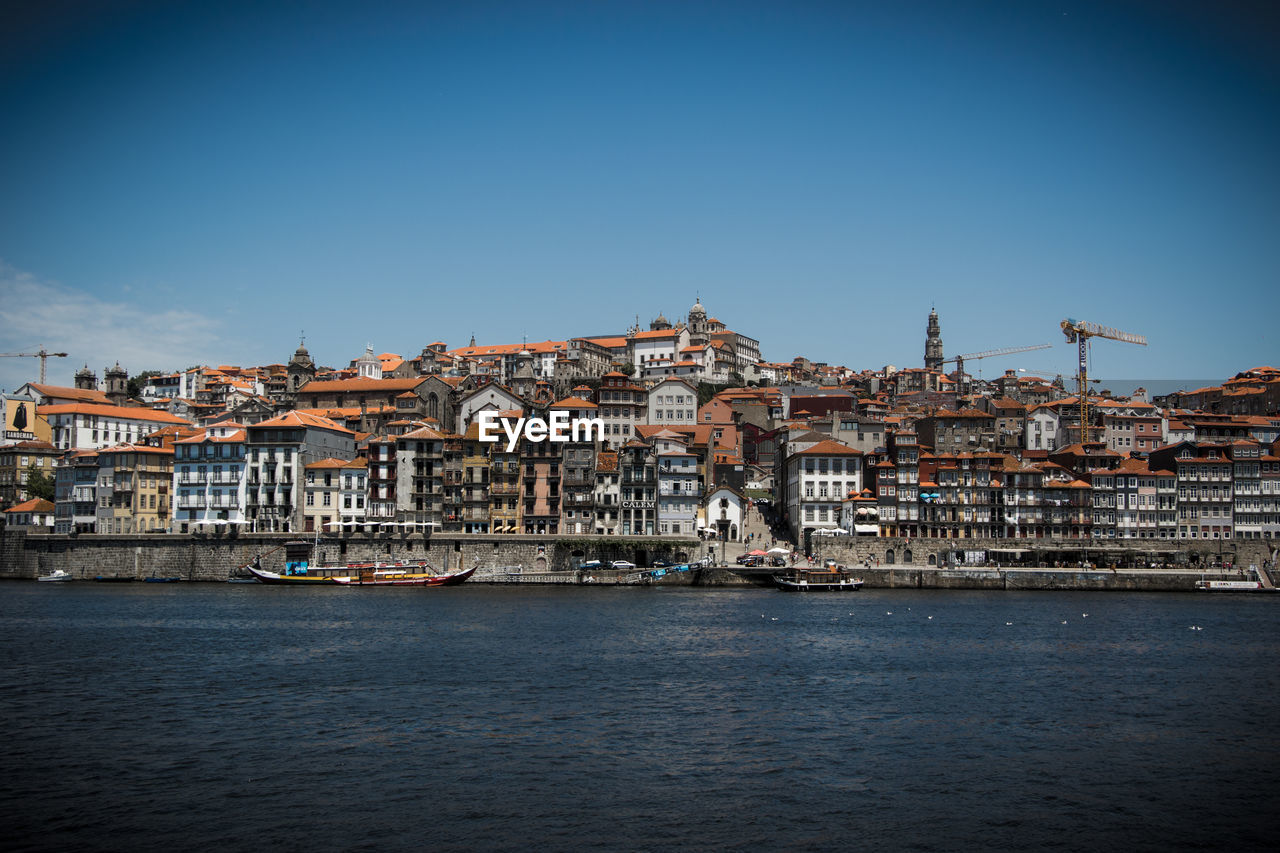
x=974, y=356
x=43, y=355
x=1079, y=332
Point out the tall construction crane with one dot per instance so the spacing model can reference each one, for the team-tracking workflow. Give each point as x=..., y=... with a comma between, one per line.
x=974, y=356
x=1079, y=332
x=43, y=355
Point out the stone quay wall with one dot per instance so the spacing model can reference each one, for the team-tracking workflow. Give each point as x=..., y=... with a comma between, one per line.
x=214, y=557
x=533, y=559
x=885, y=552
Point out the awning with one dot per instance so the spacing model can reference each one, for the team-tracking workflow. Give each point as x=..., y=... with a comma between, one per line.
x=866, y=528
x=1017, y=552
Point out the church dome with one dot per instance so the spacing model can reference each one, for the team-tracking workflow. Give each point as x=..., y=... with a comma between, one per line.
x=697, y=309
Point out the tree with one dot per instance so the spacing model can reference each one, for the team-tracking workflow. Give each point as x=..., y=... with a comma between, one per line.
x=39, y=484
x=628, y=369
x=137, y=383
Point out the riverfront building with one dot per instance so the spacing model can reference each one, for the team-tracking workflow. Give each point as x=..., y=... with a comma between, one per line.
x=209, y=478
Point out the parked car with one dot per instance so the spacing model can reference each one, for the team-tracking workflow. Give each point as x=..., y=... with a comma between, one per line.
x=623, y=564
x=593, y=564
x=662, y=564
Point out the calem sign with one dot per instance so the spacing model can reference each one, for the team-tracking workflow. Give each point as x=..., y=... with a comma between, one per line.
x=558, y=427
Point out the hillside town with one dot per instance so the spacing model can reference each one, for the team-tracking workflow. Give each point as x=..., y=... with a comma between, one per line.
x=696, y=429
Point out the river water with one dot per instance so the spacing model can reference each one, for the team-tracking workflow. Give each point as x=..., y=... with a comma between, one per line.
x=241, y=717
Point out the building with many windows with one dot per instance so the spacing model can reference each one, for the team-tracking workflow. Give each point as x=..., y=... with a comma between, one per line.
x=86, y=426
x=638, y=486
x=818, y=479
x=621, y=405
x=277, y=451
x=17, y=461
x=334, y=495
x=1206, y=496
x=679, y=485
x=672, y=402
x=420, y=479
x=134, y=482
x=209, y=474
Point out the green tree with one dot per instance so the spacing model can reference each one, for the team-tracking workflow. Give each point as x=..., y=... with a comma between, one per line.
x=137, y=383
x=39, y=484
x=628, y=368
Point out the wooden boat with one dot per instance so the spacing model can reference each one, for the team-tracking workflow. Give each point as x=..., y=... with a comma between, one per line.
x=154, y=579
x=396, y=575
x=831, y=578
x=303, y=577
x=362, y=574
x=57, y=576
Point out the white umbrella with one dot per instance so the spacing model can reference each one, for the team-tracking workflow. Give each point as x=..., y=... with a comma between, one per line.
x=779, y=550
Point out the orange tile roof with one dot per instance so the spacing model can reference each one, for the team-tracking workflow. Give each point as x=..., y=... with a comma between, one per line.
x=829, y=448
x=609, y=342
x=574, y=403
x=510, y=349
x=349, y=385
x=333, y=462
x=303, y=419
x=33, y=505
x=658, y=333
x=138, y=413
x=137, y=448
x=235, y=436
x=71, y=393
x=423, y=432
x=32, y=445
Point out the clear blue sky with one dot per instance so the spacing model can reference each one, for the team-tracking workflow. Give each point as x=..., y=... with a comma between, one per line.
x=197, y=183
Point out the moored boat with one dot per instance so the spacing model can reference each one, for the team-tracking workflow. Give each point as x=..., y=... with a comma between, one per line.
x=400, y=575
x=831, y=578
x=302, y=577
x=1231, y=586
x=56, y=576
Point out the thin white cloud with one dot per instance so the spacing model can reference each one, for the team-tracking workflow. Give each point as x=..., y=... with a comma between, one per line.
x=95, y=331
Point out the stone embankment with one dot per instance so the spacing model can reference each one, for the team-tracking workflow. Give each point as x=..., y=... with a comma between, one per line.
x=895, y=564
